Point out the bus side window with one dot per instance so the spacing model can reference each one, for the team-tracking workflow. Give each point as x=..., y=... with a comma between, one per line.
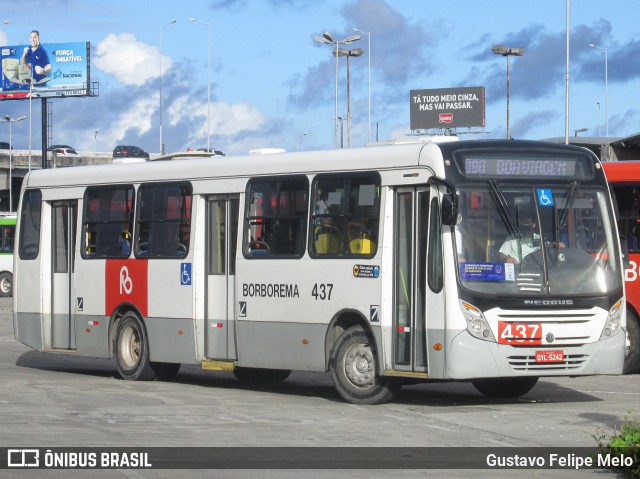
x=108, y=216
x=164, y=220
x=346, y=215
x=275, y=222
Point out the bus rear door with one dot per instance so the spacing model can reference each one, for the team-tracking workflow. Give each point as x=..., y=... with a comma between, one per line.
x=221, y=230
x=64, y=218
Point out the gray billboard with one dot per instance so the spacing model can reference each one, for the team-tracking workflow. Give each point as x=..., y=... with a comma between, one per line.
x=447, y=108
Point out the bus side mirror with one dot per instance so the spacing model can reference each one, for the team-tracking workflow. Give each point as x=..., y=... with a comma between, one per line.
x=624, y=248
x=449, y=205
x=449, y=210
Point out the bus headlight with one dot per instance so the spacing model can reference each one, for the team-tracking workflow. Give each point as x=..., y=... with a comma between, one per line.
x=614, y=320
x=477, y=324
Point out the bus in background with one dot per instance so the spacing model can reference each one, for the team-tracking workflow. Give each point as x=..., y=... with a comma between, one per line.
x=489, y=261
x=7, y=237
x=624, y=179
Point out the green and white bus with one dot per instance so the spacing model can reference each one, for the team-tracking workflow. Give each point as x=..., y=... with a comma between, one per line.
x=379, y=265
x=7, y=238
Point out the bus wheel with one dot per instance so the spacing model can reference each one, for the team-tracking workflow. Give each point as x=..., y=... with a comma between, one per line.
x=505, y=387
x=632, y=361
x=354, y=372
x=6, y=284
x=132, y=349
x=258, y=375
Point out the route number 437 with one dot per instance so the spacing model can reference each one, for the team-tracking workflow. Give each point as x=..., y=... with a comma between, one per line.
x=322, y=291
x=519, y=333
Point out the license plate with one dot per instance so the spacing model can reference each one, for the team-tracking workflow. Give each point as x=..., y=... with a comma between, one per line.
x=551, y=356
x=519, y=334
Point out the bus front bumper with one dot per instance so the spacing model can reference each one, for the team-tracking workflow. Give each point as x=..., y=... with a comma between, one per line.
x=470, y=358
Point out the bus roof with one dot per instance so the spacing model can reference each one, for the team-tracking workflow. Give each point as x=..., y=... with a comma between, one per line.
x=622, y=171
x=386, y=157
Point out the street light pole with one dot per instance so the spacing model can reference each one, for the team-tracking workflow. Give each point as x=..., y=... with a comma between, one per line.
x=95, y=141
x=161, y=30
x=606, y=88
x=369, y=58
x=507, y=52
x=7, y=118
x=208, y=25
x=356, y=52
x=328, y=38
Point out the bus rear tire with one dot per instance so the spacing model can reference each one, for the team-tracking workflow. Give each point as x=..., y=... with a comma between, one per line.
x=353, y=368
x=505, y=387
x=259, y=375
x=632, y=361
x=132, y=349
x=6, y=284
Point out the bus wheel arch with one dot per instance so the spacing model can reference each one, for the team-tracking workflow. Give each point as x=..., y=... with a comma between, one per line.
x=632, y=360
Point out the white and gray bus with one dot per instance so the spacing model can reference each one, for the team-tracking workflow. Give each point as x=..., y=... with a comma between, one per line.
x=495, y=262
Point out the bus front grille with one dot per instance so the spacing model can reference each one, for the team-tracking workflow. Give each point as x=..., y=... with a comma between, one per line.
x=528, y=363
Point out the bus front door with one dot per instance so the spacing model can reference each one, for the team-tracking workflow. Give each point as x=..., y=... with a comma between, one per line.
x=409, y=324
x=64, y=218
x=222, y=228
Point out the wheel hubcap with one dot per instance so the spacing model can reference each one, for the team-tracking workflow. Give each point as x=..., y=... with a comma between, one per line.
x=130, y=347
x=359, y=366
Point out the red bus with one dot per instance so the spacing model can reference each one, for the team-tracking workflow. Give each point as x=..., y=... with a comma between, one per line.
x=624, y=178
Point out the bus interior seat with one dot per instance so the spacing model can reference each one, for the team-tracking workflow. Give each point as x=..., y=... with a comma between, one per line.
x=360, y=241
x=327, y=240
x=362, y=246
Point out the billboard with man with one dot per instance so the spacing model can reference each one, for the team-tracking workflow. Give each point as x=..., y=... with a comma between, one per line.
x=51, y=70
x=447, y=108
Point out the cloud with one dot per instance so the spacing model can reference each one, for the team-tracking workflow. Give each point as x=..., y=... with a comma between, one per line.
x=398, y=53
x=542, y=69
x=129, y=60
x=525, y=124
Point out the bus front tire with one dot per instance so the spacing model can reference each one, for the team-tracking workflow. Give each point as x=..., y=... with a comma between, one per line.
x=6, y=284
x=505, y=387
x=353, y=368
x=132, y=350
x=632, y=361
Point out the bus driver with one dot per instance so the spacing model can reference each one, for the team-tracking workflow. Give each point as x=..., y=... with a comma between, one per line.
x=514, y=249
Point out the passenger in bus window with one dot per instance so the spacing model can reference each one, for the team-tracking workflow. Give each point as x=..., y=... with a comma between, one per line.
x=125, y=243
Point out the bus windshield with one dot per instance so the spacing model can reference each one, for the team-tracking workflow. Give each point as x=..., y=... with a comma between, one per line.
x=536, y=240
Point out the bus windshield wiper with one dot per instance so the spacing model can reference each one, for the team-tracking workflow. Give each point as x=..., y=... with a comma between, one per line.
x=505, y=211
x=570, y=199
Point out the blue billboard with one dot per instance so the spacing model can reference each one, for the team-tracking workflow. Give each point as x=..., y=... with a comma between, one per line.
x=51, y=70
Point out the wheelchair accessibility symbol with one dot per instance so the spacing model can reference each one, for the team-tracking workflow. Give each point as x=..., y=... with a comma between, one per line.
x=545, y=197
x=185, y=274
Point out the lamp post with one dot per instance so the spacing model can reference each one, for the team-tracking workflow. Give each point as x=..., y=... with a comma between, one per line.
x=208, y=25
x=368, y=34
x=579, y=130
x=7, y=118
x=95, y=141
x=606, y=88
x=328, y=38
x=342, y=52
x=507, y=52
x=161, y=30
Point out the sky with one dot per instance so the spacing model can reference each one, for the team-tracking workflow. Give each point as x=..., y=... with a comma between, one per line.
x=273, y=86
